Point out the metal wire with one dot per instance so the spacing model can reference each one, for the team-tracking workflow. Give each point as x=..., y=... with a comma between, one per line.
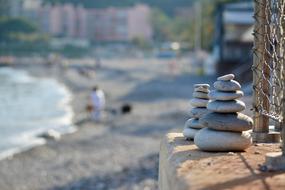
x=269, y=58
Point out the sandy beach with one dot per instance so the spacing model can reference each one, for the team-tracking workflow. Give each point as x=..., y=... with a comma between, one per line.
x=121, y=152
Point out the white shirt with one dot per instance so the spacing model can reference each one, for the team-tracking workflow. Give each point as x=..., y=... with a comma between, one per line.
x=98, y=99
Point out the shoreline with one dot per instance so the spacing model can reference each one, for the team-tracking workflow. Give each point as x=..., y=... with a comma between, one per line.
x=41, y=137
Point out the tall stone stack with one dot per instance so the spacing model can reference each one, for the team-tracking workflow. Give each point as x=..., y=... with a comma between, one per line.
x=225, y=127
x=199, y=102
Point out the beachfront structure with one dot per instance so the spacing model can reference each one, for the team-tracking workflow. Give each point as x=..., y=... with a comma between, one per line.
x=104, y=25
x=233, y=39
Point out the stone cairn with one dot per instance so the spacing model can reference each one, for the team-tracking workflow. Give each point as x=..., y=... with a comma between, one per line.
x=225, y=128
x=199, y=102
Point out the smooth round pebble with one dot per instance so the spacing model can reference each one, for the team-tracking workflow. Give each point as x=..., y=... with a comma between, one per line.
x=227, y=77
x=193, y=123
x=231, y=85
x=202, y=85
x=189, y=133
x=201, y=89
x=202, y=95
x=219, y=95
x=219, y=141
x=198, y=112
x=196, y=102
x=231, y=106
x=237, y=122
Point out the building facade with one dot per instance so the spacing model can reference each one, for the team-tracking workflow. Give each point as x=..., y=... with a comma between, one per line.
x=104, y=25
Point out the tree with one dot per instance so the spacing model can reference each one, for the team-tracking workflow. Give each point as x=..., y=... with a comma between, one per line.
x=12, y=26
x=4, y=7
x=161, y=24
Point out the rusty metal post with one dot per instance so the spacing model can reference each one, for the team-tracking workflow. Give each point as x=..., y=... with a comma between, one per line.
x=276, y=161
x=282, y=75
x=279, y=62
x=283, y=114
x=261, y=122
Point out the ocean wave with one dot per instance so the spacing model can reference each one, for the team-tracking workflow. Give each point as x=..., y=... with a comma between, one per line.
x=29, y=107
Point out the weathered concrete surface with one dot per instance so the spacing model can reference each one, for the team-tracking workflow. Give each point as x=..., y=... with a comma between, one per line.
x=184, y=167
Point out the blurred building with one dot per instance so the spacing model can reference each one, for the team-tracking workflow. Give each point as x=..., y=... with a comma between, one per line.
x=104, y=25
x=234, y=39
x=63, y=20
x=13, y=8
x=119, y=24
x=139, y=25
x=110, y=24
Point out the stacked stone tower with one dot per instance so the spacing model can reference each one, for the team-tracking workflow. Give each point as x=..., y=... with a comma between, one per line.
x=199, y=102
x=225, y=126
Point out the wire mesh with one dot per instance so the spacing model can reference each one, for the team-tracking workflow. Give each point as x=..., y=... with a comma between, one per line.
x=268, y=66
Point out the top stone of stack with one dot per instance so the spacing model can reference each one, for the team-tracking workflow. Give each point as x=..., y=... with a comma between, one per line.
x=202, y=88
x=202, y=85
x=227, y=84
x=227, y=77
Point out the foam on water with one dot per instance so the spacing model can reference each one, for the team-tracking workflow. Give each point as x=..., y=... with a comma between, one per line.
x=30, y=106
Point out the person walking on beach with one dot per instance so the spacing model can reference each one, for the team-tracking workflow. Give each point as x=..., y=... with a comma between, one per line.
x=98, y=103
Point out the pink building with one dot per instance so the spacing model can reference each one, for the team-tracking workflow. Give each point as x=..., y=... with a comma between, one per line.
x=55, y=21
x=139, y=25
x=120, y=24
x=81, y=20
x=110, y=24
x=63, y=20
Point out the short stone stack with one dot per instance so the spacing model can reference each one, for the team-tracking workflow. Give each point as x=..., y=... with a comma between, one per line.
x=199, y=102
x=225, y=127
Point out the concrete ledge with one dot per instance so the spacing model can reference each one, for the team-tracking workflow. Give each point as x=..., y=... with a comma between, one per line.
x=182, y=167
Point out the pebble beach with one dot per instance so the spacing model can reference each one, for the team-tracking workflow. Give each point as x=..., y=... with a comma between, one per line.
x=121, y=151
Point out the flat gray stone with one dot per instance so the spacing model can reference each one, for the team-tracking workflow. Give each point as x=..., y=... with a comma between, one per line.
x=219, y=95
x=227, y=77
x=196, y=102
x=236, y=122
x=231, y=85
x=202, y=85
x=198, y=112
x=219, y=141
x=231, y=106
x=193, y=123
x=202, y=95
x=189, y=133
x=201, y=89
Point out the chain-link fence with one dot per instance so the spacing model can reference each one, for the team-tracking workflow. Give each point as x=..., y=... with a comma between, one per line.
x=268, y=66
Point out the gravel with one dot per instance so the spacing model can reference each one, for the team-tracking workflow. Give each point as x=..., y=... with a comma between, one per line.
x=121, y=152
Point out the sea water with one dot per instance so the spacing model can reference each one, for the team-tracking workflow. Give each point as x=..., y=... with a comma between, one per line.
x=30, y=106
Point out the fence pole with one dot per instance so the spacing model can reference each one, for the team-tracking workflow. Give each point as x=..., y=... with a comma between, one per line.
x=282, y=67
x=282, y=73
x=275, y=161
x=260, y=58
